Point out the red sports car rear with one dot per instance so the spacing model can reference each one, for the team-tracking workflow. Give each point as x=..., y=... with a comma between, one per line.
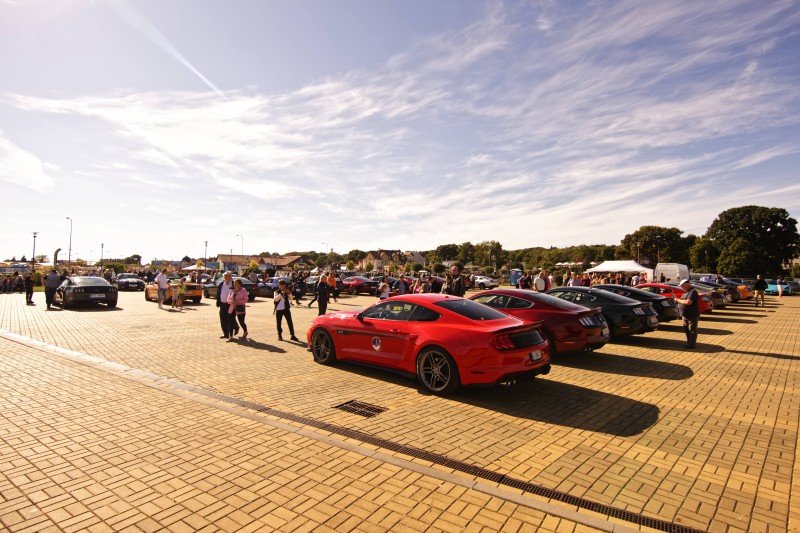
x=444, y=341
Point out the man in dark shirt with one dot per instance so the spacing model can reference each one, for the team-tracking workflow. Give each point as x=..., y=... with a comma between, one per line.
x=458, y=282
x=760, y=286
x=689, y=307
x=323, y=294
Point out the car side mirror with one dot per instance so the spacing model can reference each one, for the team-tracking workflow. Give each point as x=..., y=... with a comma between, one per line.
x=360, y=316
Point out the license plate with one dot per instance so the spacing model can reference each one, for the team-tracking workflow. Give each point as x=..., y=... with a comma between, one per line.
x=652, y=320
x=606, y=332
x=535, y=356
x=97, y=295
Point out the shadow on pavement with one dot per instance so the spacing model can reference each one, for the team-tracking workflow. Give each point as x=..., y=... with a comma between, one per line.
x=256, y=345
x=700, y=330
x=624, y=365
x=90, y=308
x=668, y=344
x=770, y=355
x=706, y=318
x=543, y=400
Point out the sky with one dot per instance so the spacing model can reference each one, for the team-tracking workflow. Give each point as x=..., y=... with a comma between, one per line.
x=283, y=125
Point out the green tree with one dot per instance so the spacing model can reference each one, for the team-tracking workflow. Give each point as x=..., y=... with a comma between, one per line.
x=654, y=244
x=447, y=252
x=356, y=255
x=369, y=267
x=350, y=265
x=134, y=259
x=770, y=233
x=489, y=253
x=416, y=267
x=795, y=270
x=466, y=253
x=439, y=268
x=703, y=255
x=740, y=258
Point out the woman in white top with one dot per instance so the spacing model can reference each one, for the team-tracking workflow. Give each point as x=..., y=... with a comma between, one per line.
x=383, y=289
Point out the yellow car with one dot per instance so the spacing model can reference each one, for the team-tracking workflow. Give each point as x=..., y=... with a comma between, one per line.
x=194, y=291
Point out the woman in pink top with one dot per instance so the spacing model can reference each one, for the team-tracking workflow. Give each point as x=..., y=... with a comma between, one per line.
x=237, y=303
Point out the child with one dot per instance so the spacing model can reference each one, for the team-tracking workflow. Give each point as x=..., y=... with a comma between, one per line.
x=181, y=293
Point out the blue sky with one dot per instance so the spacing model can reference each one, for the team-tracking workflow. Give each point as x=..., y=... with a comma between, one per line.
x=159, y=125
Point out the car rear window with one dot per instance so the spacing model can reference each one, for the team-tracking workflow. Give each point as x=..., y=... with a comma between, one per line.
x=471, y=310
x=90, y=282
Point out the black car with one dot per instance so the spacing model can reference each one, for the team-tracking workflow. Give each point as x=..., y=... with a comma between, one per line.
x=665, y=307
x=85, y=289
x=129, y=282
x=311, y=285
x=733, y=291
x=625, y=316
x=210, y=289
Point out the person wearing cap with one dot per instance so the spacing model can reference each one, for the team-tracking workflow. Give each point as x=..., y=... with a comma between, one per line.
x=227, y=320
x=689, y=307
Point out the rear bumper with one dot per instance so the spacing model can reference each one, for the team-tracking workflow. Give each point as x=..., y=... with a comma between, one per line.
x=591, y=340
x=502, y=367
x=669, y=314
x=82, y=298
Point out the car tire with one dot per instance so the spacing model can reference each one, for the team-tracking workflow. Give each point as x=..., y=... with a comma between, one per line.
x=353, y=291
x=146, y=299
x=112, y=304
x=205, y=294
x=482, y=286
x=196, y=300
x=322, y=347
x=64, y=304
x=437, y=371
x=552, y=341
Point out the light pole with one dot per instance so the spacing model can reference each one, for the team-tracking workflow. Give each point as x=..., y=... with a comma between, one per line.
x=33, y=257
x=69, y=254
x=205, y=256
x=242, y=236
x=102, y=245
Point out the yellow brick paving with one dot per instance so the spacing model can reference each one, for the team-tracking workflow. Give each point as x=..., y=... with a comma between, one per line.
x=82, y=450
x=705, y=438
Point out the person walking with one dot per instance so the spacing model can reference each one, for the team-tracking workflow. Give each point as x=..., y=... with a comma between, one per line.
x=226, y=321
x=334, y=293
x=316, y=289
x=779, y=283
x=237, y=307
x=689, y=307
x=51, y=283
x=29, y=289
x=163, y=286
x=458, y=283
x=323, y=295
x=283, y=310
x=759, y=287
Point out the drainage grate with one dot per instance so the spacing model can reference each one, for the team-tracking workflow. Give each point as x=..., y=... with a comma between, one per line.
x=366, y=410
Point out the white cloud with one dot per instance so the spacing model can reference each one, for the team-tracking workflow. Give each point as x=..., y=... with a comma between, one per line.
x=21, y=167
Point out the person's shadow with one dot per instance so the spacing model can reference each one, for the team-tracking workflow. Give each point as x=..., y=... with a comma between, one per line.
x=257, y=345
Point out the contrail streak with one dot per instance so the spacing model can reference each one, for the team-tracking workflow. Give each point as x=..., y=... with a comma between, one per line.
x=137, y=21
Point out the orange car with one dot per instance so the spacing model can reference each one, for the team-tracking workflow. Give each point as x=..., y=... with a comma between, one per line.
x=194, y=291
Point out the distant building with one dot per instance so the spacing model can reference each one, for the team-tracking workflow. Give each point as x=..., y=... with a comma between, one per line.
x=380, y=258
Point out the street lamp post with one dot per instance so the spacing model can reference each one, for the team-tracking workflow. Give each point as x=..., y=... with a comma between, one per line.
x=69, y=254
x=33, y=257
x=205, y=256
x=242, y=237
x=102, y=245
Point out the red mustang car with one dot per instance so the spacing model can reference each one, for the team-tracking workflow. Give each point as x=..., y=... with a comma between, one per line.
x=671, y=291
x=360, y=284
x=443, y=340
x=569, y=327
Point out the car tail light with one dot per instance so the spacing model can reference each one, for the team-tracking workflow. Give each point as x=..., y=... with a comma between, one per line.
x=705, y=298
x=502, y=342
x=639, y=311
x=522, y=339
x=667, y=303
x=592, y=321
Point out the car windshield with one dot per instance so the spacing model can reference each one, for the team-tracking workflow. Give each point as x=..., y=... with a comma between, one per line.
x=127, y=276
x=361, y=278
x=89, y=281
x=471, y=310
x=554, y=301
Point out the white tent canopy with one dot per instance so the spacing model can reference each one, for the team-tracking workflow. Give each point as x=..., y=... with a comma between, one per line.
x=621, y=266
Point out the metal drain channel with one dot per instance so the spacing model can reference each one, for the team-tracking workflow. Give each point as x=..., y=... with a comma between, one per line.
x=460, y=466
x=367, y=410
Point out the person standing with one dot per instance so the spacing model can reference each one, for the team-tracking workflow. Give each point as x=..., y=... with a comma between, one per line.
x=283, y=310
x=237, y=307
x=323, y=294
x=689, y=307
x=162, y=284
x=759, y=287
x=539, y=283
x=29, y=289
x=384, y=291
x=458, y=283
x=226, y=321
x=51, y=283
x=779, y=283
x=332, y=287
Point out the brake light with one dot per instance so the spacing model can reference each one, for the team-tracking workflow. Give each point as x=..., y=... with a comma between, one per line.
x=638, y=311
x=589, y=321
x=502, y=342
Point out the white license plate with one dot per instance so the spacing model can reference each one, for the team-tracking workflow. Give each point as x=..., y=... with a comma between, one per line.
x=535, y=356
x=606, y=331
x=97, y=295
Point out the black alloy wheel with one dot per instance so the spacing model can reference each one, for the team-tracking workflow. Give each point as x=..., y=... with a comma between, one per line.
x=322, y=347
x=437, y=371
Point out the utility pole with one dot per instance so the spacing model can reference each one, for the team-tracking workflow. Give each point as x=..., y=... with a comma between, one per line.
x=69, y=254
x=242, y=236
x=33, y=257
x=102, y=245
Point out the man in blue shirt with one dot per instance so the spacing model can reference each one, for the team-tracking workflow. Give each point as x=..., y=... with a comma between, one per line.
x=689, y=307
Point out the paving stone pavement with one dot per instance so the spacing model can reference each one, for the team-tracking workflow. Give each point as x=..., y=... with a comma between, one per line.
x=704, y=438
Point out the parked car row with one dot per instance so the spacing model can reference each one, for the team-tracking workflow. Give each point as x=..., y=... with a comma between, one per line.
x=494, y=336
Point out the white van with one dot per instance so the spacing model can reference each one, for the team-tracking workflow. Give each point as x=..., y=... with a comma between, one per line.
x=673, y=272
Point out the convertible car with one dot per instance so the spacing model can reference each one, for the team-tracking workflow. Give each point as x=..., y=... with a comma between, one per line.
x=194, y=291
x=568, y=327
x=772, y=288
x=443, y=340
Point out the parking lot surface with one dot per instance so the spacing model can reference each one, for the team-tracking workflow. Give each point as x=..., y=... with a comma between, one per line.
x=186, y=431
